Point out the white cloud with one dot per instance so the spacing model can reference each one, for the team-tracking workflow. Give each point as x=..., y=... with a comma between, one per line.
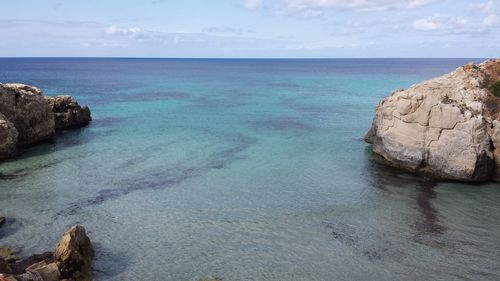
x=369, y=5
x=252, y=4
x=491, y=20
x=418, y=3
x=228, y=30
x=427, y=24
x=486, y=7
x=132, y=32
x=446, y=25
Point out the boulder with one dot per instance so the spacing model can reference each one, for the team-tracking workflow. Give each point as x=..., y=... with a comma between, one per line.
x=447, y=127
x=68, y=113
x=41, y=272
x=71, y=261
x=25, y=107
x=20, y=266
x=73, y=255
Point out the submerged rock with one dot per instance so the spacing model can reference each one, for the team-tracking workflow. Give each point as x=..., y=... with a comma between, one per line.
x=8, y=254
x=20, y=266
x=448, y=127
x=26, y=108
x=74, y=254
x=27, y=117
x=40, y=272
x=68, y=113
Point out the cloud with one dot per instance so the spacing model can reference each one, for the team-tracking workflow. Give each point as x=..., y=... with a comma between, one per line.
x=426, y=24
x=227, y=30
x=252, y=4
x=446, y=25
x=132, y=31
x=367, y=5
x=104, y=39
x=491, y=20
x=485, y=7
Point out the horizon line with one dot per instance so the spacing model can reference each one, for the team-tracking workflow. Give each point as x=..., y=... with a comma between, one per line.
x=233, y=58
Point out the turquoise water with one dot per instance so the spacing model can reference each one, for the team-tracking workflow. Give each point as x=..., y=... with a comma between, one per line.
x=243, y=170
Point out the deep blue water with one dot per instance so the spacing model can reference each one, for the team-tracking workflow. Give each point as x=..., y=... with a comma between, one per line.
x=243, y=170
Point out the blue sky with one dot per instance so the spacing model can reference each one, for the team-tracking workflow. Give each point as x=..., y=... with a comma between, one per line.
x=250, y=28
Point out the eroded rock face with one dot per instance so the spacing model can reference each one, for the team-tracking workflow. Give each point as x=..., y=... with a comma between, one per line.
x=25, y=107
x=447, y=127
x=74, y=253
x=8, y=138
x=68, y=113
x=27, y=117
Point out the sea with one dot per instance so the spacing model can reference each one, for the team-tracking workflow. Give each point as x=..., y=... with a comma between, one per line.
x=241, y=169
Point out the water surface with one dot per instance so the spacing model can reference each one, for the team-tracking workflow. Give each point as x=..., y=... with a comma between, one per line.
x=243, y=170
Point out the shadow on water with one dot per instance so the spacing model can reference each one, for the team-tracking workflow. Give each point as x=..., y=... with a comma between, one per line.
x=109, y=263
x=62, y=140
x=10, y=227
x=26, y=170
x=383, y=177
x=10, y=176
x=372, y=242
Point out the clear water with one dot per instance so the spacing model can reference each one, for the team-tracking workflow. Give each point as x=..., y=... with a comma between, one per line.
x=243, y=170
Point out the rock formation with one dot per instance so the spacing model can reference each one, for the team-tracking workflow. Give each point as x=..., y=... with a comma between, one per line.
x=74, y=255
x=68, y=113
x=28, y=117
x=448, y=127
x=71, y=261
x=26, y=108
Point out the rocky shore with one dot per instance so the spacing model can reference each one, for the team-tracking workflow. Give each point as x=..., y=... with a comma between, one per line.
x=447, y=127
x=70, y=261
x=28, y=117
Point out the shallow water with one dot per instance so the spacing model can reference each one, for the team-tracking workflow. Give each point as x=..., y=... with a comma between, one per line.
x=244, y=170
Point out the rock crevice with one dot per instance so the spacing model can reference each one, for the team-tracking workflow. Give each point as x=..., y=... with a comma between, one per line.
x=448, y=127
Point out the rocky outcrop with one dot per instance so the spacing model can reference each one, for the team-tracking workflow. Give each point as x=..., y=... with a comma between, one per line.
x=26, y=108
x=71, y=261
x=447, y=127
x=68, y=113
x=74, y=255
x=28, y=117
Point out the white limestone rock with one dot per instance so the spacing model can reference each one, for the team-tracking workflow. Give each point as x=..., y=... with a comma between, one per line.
x=448, y=127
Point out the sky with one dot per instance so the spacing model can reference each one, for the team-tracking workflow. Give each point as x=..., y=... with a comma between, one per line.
x=250, y=28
